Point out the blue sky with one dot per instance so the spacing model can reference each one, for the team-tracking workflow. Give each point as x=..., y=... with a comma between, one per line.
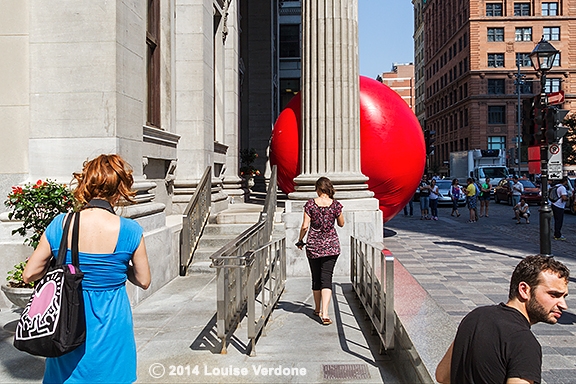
x=385, y=29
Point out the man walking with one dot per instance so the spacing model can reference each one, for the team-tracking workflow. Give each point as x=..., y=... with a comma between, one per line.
x=558, y=208
x=494, y=344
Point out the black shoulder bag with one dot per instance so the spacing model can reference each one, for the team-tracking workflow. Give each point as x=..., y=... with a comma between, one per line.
x=53, y=322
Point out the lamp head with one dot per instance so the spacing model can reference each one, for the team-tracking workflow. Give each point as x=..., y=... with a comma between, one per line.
x=543, y=56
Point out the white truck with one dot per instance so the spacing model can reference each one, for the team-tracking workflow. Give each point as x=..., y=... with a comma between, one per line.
x=480, y=164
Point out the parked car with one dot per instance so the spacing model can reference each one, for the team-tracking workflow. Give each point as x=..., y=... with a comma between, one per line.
x=444, y=198
x=503, y=191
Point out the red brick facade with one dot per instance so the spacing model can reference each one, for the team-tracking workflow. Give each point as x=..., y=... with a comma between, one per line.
x=470, y=62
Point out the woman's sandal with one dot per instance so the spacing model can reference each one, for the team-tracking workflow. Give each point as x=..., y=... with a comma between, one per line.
x=326, y=321
x=318, y=313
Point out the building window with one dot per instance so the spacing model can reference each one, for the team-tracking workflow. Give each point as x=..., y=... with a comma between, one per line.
x=523, y=34
x=493, y=9
x=495, y=34
x=521, y=9
x=497, y=114
x=495, y=60
x=551, y=33
x=550, y=9
x=523, y=59
x=496, y=142
x=153, y=64
x=557, y=60
x=289, y=40
x=552, y=85
x=496, y=86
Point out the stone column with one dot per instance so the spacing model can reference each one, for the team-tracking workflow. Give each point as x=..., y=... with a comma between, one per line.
x=330, y=142
x=330, y=138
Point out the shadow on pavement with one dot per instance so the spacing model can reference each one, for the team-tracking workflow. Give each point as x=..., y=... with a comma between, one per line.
x=383, y=362
x=208, y=340
x=567, y=318
x=472, y=247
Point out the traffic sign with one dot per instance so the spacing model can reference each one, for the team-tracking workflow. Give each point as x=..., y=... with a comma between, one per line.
x=555, y=161
x=555, y=98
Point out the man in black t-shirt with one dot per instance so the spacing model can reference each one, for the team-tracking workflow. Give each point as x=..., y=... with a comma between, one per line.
x=494, y=344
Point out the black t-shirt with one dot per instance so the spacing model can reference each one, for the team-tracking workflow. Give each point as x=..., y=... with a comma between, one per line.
x=424, y=190
x=495, y=343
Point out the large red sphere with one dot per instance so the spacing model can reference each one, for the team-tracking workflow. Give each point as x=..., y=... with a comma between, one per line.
x=392, y=150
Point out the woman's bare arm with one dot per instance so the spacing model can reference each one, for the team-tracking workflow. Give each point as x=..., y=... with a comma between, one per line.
x=38, y=263
x=139, y=271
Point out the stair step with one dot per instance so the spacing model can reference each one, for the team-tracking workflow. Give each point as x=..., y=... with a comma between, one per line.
x=225, y=229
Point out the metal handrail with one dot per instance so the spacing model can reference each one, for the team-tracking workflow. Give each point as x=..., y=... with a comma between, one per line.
x=245, y=266
x=195, y=219
x=372, y=276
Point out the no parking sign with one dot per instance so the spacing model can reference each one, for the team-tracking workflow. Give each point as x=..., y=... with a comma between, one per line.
x=555, y=161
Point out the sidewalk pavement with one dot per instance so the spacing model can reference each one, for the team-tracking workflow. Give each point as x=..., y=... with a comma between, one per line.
x=464, y=265
x=460, y=265
x=176, y=339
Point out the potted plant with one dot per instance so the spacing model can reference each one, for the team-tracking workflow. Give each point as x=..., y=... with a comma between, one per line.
x=247, y=169
x=35, y=205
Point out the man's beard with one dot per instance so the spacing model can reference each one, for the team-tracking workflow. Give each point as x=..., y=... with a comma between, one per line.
x=537, y=313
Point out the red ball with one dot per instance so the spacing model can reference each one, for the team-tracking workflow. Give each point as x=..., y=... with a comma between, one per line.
x=392, y=149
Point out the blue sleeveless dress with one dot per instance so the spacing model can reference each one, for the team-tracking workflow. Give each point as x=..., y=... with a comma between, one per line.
x=109, y=353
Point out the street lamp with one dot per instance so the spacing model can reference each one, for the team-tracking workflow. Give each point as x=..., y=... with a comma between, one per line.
x=519, y=82
x=542, y=58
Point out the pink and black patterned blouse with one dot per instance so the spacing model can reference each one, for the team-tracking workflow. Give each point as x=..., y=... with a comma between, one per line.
x=322, y=237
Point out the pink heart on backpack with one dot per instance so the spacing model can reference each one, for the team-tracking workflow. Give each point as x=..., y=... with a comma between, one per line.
x=42, y=299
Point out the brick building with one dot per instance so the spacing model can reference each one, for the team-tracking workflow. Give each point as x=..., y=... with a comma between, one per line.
x=471, y=52
x=401, y=80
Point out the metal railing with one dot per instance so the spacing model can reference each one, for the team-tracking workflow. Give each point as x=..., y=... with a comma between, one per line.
x=251, y=272
x=372, y=276
x=195, y=218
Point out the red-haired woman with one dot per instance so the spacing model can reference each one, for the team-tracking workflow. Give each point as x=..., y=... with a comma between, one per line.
x=111, y=251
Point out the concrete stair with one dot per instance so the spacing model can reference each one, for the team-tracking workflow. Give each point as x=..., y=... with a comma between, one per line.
x=224, y=227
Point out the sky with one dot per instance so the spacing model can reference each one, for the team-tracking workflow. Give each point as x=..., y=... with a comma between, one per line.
x=385, y=29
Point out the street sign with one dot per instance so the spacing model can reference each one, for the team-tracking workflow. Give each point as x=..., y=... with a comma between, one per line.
x=555, y=98
x=555, y=161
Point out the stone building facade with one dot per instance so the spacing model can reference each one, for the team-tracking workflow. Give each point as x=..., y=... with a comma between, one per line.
x=471, y=53
x=163, y=83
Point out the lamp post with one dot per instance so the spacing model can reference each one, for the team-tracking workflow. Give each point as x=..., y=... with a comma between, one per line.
x=542, y=58
x=519, y=82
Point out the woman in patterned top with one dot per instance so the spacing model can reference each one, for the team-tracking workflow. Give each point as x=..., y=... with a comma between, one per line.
x=323, y=246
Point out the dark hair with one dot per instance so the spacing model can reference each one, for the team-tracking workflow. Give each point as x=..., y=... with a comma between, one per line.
x=107, y=177
x=529, y=269
x=324, y=185
x=454, y=181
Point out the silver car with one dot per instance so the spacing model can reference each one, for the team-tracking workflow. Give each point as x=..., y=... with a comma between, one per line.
x=444, y=198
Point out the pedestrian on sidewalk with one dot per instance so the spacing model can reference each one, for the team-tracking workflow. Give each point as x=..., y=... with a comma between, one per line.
x=494, y=344
x=517, y=190
x=424, y=198
x=558, y=207
x=485, y=189
x=522, y=211
x=322, y=244
x=471, y=199
x=111, y=251
x=434, y=194
x=455, y=192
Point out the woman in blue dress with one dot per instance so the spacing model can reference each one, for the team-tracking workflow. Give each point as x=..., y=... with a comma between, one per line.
x=111, y=251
